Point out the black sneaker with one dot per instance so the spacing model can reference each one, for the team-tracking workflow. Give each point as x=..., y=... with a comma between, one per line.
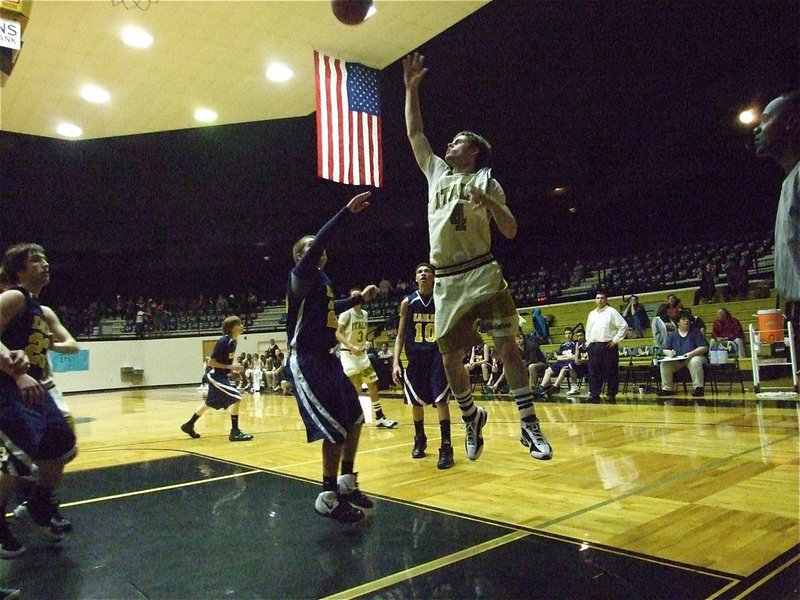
x=664, y=393
x=39, y=521
x=188, y=429
x=9, y=544
x=60, y=522
x=328, y=504
x=420, y=443
x=445, y=458
x=349, y=492
x=697, y=392
x=237, y=435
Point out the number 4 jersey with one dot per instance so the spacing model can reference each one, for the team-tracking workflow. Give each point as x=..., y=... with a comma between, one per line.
x=461, y=242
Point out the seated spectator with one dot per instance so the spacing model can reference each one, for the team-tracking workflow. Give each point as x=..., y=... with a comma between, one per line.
x=673, y=308
x=273, y=370
x=541, y=328
x=533, y=357
x=661, y=325
x=478, y=359
x=696, y=322
x=691, y=346
x=565, y=362
x=385, y=351
x=385, y=288
x=581, y=366
x=737, y=280
x=635, y=316
x=497, y=373
x=708, y=285
x=255, y=376
x=727, y=328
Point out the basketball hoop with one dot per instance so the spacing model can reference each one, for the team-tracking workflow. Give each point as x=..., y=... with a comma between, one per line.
x=140, y=4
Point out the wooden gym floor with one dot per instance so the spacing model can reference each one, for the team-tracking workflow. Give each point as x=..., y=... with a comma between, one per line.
x=644, y=498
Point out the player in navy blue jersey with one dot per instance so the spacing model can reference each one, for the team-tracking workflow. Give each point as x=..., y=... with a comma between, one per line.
x=32, y=428
x=327, y=401
x=221, y=392
x=424, y=381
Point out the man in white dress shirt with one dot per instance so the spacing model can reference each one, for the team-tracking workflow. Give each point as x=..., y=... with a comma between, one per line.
x=605, y=329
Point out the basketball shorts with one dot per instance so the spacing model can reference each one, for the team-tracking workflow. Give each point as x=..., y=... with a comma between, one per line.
x=327, y=401
x=424, y=381
x=497, y=314
x=354, y=365
x=557, y=367
x=221, y=393
x=32, y=432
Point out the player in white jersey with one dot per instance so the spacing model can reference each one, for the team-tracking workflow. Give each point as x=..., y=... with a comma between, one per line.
x=352, y=335
x=463, y=199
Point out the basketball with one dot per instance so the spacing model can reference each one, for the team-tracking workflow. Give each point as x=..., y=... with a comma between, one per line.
x=351, y=12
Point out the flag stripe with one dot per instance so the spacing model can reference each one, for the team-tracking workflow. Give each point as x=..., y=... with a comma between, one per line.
x=348, y=139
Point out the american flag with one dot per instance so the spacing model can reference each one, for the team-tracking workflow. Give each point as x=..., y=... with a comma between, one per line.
x=348, y=122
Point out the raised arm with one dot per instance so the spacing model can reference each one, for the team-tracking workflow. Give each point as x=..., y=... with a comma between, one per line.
x=413, y=72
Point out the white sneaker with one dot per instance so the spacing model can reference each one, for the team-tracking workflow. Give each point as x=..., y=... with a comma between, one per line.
x=531, y=436
x=573, y=390
x=473, y=440
x=386, y=423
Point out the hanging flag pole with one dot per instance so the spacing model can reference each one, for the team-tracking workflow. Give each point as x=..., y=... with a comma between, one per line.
x=349, y=148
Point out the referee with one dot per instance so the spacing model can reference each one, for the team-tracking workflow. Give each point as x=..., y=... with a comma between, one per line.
x=605, y=329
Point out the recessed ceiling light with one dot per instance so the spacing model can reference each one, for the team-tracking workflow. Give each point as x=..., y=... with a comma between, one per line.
x=138, y=38
x=69, y=130
x=96, y=94
x=748, y=117
x=278, y=72
x=205, y=115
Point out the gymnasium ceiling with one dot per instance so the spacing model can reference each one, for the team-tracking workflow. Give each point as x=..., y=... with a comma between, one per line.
x=205, y=54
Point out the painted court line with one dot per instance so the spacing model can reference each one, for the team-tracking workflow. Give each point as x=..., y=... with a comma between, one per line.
x=160, y=489
x=433, y=565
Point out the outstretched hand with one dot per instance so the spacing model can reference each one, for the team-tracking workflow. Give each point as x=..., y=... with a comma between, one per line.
x=413, y=70
x=359, y=203
x=369, y=293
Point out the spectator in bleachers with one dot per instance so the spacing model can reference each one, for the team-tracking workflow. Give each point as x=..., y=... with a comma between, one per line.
x=541, y=328
x=384, y=288
x=272, y=349
x=674, y=307
x=696, y=322
x=692, y=346
x=141, y=321
x=578, y=274
x=385, y=352
x=221, y=305
x=708, y=285
x=737, y=280
x=727, y=328
x=661, y=325
x=636, y=316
